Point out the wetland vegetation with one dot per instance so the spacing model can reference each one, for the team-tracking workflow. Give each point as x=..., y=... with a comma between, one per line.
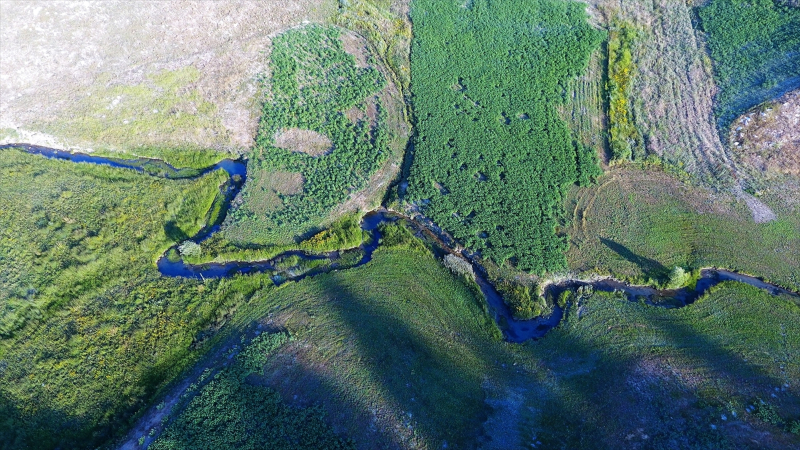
x=492, y=158
x=402, y=342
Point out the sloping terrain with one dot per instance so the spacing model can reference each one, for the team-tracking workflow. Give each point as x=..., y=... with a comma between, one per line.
x=121, y=74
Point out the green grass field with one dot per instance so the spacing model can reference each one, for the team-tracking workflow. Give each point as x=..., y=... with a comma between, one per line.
x=638, y=224
x=492, y=157
x=90, y=330
x=754, y=48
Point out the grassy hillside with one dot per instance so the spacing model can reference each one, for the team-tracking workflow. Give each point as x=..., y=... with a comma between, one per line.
x=754, y=45
x=492, y=157
x=639, y=224
x=720, y=374
x=90, y=330
x=394, y=352
x=400, y=354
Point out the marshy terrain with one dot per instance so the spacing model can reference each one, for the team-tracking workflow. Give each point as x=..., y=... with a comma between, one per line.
x=400, y=224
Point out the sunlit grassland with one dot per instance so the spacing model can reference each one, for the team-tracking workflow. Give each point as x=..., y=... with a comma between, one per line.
x=165, y=109
x=90, y=330
x=638, y=224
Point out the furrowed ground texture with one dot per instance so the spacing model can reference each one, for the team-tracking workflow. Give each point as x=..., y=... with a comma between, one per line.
x=492, y=156
x=755, y=45
x=672, y=88
x=401, y=354
x=337, y=138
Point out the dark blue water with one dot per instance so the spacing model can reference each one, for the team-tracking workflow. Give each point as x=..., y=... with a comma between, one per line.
x=513, y=330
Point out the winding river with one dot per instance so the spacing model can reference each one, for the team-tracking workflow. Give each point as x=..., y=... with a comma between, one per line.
x=513, y=329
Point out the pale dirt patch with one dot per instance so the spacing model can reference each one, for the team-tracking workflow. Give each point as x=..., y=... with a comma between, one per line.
x=356, y=46
x=272, y=185
x=65, y=56
x=355, y=114
x=303, y=141
x=287, y=183
x=768, y=137
x=761, y=212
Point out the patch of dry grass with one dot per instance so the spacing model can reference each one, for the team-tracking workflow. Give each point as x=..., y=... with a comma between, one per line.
x=768, y=137
x=72, y=60
x=304, y=141
x=673, y=89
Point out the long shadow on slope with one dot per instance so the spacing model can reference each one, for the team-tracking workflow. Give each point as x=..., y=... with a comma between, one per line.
x=414, y=361
x=643, y=379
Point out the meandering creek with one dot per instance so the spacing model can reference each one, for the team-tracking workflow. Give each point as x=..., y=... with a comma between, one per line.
x=513, y=329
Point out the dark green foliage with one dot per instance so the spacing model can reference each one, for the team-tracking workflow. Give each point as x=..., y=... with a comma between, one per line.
x=518, y=297
x=794, y=427
x=231, y=413
x=398, y=235
x=255, y=355
x=314, y=84
x=767, y=413
x=492, y=157
x=588, y=165
x=754, y=45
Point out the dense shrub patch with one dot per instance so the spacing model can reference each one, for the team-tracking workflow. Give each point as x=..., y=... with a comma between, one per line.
x=755, y=45
x=624, y=138
x=492, y=157
x=315, y=86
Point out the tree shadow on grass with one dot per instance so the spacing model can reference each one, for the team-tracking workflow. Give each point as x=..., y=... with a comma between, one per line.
x=399, y=356
x=174, y=232
x=650, y=268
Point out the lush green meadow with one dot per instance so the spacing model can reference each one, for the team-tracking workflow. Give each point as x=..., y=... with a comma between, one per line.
x=638, y=224
x=399, y=353
x=754, y=47
x=90, y=330
x=317, y=87
x=492, y=157
x=231, y=413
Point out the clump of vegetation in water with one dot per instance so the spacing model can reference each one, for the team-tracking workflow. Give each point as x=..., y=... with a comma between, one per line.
x=523, y=303
x=492, y=158
x=316, y=87
x=754, y=47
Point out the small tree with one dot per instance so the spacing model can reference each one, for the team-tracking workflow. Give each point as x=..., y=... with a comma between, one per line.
x=678, y=278
x=190, y=248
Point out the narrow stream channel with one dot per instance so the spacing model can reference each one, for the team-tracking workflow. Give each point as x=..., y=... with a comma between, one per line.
x=513, y=330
